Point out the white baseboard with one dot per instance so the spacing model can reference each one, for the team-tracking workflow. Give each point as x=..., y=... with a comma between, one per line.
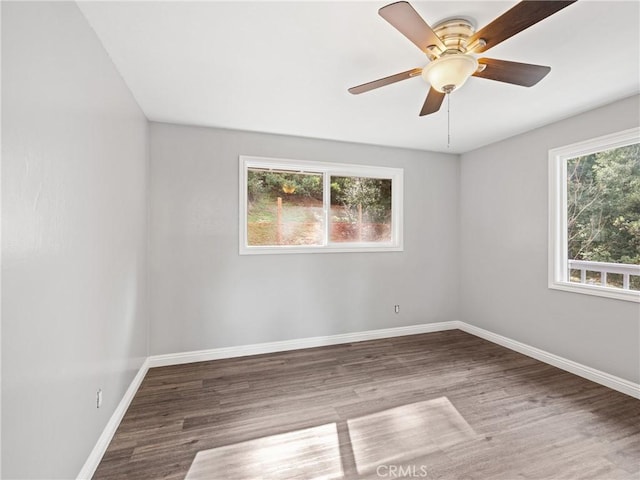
x=616, y=383
x=285, y=345
x=608, y=380
x=89, y=467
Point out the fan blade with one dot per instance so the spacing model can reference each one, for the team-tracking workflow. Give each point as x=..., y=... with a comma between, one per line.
x=524, y=74
x=515, y=20
x=365, y=87
x=432, y=103
x=407, y=21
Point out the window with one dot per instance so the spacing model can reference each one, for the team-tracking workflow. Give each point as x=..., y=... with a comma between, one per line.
x=289, y=206
x=594, y=216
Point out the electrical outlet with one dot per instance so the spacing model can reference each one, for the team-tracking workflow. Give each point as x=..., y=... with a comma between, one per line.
x=99, y=398
x=396, y=308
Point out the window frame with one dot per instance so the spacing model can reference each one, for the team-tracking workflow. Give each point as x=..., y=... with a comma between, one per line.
x=327, y=169
x=558, y=243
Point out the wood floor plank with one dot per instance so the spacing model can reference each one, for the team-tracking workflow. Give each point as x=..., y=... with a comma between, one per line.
x=526, y=419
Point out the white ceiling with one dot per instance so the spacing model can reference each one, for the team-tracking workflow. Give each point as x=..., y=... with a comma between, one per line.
x=284, y=67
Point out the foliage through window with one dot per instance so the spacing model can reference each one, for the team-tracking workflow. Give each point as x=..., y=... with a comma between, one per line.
x=595, y=228
x=360, y=209
x=284, y=208
x=289, y=206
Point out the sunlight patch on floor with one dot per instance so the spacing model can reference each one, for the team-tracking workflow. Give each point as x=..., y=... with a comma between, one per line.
x=311, y=453
x=406, y=432
x=394, y=435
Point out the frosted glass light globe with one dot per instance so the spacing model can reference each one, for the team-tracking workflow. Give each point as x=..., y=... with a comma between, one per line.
x=449, y=72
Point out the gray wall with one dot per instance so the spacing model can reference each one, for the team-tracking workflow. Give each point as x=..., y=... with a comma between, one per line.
x=205, y=295
x=503, y=250
x=74, y=169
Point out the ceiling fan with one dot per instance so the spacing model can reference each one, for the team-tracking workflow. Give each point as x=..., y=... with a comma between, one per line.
x=451, y=44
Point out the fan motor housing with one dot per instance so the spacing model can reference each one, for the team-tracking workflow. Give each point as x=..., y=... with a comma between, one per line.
x=454, y=33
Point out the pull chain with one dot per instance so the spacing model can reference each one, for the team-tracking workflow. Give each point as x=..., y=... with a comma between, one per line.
x=448, y=120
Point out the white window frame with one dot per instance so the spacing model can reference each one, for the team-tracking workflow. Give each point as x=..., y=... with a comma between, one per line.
x=558, y=246
x=396, y=176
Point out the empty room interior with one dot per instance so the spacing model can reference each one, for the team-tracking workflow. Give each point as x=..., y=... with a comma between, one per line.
x=320, y=240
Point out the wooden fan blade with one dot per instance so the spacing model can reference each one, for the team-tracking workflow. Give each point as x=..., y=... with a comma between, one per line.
x=407, y=21
x=515, y=20
x=432, y=103
x=365, y=87
x=524, y=74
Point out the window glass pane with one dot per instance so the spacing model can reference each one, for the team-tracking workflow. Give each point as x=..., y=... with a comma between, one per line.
x=284, y=208
x=290, y=206
x=603, y=206
x=360, y=209
x=603, y=216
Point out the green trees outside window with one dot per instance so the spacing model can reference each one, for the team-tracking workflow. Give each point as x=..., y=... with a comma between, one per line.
x=360, y=209
x=286, y=208
x=603, y=207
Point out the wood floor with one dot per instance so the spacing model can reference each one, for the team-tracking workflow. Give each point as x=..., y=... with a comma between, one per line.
x=443, y=405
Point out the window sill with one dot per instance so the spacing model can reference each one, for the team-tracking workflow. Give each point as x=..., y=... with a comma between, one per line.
x=285, y=249
x=596, y=290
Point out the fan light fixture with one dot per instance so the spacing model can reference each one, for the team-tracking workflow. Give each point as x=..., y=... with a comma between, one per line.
x=449, y=45
x=449, y=72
